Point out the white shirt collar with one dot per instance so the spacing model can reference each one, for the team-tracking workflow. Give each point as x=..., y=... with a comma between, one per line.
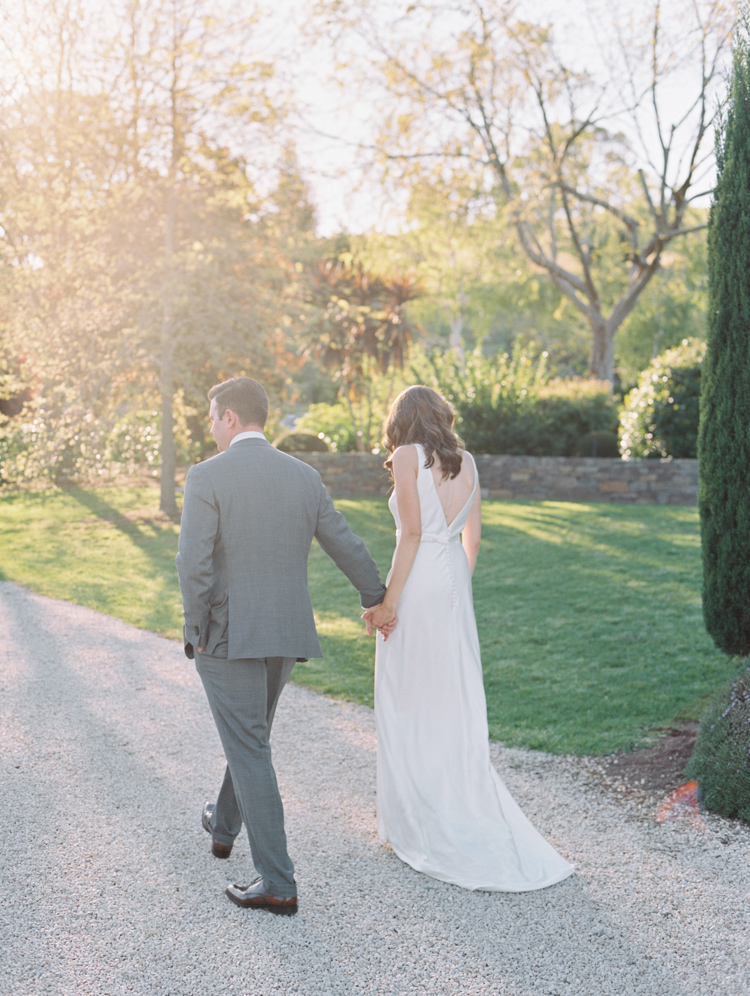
x=250, y=434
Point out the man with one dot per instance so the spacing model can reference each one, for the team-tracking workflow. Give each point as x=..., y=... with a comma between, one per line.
x=248, y=520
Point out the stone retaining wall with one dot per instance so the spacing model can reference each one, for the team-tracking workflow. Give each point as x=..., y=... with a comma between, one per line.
x=645, y=482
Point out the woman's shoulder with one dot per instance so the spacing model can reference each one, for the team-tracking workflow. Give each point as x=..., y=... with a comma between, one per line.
x=405, y=458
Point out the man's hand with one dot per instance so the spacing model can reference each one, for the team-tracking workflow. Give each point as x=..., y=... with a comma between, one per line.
x=380, y=617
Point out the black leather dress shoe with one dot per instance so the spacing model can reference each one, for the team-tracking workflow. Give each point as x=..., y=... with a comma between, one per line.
x=254, y=897
x=218, y=850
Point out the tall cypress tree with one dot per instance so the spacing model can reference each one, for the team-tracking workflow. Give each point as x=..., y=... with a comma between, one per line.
x=724, y=438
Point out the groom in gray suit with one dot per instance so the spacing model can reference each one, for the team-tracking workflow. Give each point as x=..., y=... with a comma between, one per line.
x=248, y=520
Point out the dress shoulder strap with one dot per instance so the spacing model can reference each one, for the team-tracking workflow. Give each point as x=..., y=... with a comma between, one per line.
x=474, y=465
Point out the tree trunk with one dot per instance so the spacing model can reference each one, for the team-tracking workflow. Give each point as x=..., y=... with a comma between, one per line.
x=602, y=356
x=167, y=503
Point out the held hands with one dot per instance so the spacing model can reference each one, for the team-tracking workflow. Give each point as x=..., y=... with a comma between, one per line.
x=380, y=617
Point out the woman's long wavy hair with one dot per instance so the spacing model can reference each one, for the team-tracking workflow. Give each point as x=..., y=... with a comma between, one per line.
x=421, y=415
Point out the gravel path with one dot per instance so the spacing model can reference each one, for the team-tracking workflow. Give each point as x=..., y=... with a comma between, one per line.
x=109, y=888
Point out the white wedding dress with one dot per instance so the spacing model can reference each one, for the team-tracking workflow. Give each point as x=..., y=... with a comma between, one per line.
x=441, y=805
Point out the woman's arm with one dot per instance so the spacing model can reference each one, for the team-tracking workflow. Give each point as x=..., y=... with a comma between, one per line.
x=405, y=470
x=472, y=532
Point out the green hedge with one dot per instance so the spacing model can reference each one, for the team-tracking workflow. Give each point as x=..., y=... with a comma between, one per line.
x=507, y=404
x=504, y=404
x=551, y=421
x=300, y=442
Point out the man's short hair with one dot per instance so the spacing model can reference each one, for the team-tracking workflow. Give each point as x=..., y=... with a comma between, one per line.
x=244, y=396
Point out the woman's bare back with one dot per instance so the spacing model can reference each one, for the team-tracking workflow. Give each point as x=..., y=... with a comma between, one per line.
x=453, y=492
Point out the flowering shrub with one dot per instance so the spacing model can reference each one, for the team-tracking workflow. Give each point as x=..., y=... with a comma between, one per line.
x=721, y=759
x=660, y=415
x=58, y=441
x=61, y=442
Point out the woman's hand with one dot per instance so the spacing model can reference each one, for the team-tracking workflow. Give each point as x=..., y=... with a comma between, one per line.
x=405, y=470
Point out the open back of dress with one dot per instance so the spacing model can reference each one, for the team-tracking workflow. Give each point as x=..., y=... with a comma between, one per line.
x=441, y=805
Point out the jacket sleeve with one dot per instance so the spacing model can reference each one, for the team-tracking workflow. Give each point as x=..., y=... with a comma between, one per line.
x=348, y=552
x=200, y=524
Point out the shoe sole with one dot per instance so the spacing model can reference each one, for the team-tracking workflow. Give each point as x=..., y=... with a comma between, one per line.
x=227, y=848
x=276, y=910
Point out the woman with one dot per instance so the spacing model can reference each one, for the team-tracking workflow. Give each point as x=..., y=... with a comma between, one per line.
x=441, y=804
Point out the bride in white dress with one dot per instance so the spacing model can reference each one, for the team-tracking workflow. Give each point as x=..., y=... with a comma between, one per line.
x=441, y=805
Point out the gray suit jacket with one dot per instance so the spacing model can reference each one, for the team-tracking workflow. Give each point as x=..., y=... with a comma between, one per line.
x=248, y=521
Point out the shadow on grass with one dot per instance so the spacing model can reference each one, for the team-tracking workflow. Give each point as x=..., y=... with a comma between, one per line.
x=108, y=513
x=158, y=599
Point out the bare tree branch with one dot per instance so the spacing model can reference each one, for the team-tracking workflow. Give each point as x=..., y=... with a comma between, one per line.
x=647, y=192
x=630, y=222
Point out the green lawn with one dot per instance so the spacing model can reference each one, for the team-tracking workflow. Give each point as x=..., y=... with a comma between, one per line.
x=589, y=615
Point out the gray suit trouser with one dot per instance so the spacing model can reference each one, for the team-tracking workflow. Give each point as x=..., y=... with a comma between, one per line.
x=242, y=695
